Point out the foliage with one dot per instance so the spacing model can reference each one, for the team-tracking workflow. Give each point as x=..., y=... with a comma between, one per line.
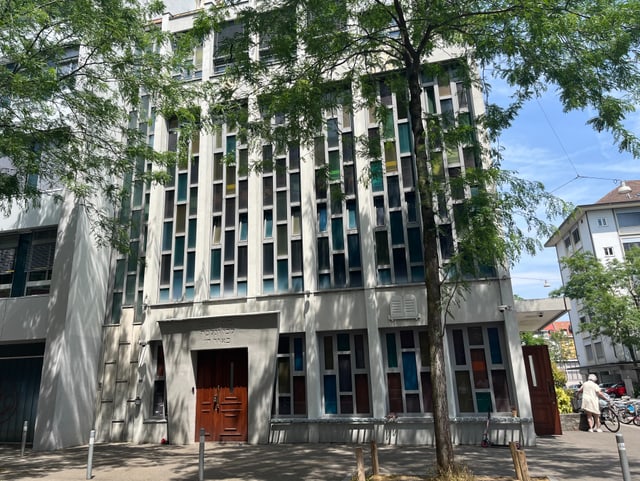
x=530, y=339
x=328, y=53
x=608, y=295
x=559, y=376
x=564, y=400
x=70, y=72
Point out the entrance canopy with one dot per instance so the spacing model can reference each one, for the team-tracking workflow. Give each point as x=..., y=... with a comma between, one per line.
x=534, y=314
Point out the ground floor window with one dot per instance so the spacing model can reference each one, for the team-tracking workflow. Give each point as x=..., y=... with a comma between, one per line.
x=159, y=405
x=290, y=396
x=480, y=369
x=407, y=371
x=345, y=373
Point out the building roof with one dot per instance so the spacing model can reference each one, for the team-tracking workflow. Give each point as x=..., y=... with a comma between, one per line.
x=615, y=197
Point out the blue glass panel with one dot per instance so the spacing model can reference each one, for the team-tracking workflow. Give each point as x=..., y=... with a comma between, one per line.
x=377, y=184
x=191, y=266
x=483, y=402
x=243, y=227
x=322, y=217
x=343, y=342
x=193, y=230
x=397, y=227
x=404, y=134
x=324, y=281
x=400, y=265
x=167, y=236
x=215, y=265
x=351, y=209
x=392, y=351
x=298, y=358
x=177, y=285
x=297, y=284
x=415, y=244
x=334, y=165
x=267, y=286
x=178, y=260
x=393, y=194
x=353, y=243
x=268, y=224
x=409, y=371
x=337, y=235
x=231, y=144
x=384, y=277
x=339, y=270
x=332, y=133
x=164, y=295
x=242, y=288
x=182, y=186
x=330, y=395
x=283, y=275
x=214, y=290
x=355, y=279
x=417, y=274
x=189, y=293
x=494, y=345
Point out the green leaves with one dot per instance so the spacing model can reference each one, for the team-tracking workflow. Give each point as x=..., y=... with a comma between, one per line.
x=608, y=295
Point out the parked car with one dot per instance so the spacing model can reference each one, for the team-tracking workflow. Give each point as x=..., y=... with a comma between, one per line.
x=616, y=390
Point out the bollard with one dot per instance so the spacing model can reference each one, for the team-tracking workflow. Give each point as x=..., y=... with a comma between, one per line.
x=624, y=461
x=201, y=457
x=25, y=428
x=92, y=440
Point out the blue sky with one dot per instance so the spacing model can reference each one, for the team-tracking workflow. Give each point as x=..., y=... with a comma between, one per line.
x=550, y=146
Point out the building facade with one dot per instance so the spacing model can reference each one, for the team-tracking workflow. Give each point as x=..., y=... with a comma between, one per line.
x=607, y=229
x=289, y=305
x=282, y=306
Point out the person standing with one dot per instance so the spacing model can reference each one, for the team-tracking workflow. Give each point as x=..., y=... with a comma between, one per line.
x=590, y=405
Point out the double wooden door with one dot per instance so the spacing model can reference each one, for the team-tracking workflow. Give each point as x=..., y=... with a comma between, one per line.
x=222, y=395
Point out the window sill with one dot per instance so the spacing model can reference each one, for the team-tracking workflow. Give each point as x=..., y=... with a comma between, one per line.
x=155, y=421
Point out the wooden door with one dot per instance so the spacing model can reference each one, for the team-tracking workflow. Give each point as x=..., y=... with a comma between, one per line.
x=546, y=417
x=222, y=395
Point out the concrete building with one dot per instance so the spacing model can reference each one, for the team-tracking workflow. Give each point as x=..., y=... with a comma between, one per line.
x=265, y=309
x=607, y=229
x=261, y=307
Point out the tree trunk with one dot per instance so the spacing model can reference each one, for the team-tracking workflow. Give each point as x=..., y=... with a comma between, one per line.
x=435, y=315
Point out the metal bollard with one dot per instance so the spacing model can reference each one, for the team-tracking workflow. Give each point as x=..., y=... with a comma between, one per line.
x=92, y=440
x=201, y=457
x=624, y=461
x=25, y=428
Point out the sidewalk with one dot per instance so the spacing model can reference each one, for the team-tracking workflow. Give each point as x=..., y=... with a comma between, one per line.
x=575, y=455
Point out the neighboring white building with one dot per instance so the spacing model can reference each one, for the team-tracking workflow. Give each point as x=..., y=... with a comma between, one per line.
x=607, y=229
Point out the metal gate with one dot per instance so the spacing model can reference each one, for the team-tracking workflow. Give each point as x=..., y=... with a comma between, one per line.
x=20, y=373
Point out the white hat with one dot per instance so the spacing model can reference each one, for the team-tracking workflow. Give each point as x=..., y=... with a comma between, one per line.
x=592, y=377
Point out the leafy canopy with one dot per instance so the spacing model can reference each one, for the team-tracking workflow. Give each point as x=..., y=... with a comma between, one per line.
x=69, y=74
x=608, y=295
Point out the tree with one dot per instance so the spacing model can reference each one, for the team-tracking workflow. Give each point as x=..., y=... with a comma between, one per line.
x=329, y=53
x=608, y=295
x=70, y=72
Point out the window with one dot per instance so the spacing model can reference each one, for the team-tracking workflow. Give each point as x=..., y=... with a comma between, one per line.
x=290, y=396
x=588, y=349
x=345, y=374
x=608, y=251
x=602, y=222
x=629, y=245
x=227, y=46
x=8, y=249
x=480, y=372
x=599, y=350
x=40, y=262
x=159, y=404
x=628, y=220
x=567, y=243
x=192, y=67
x=407, y=371
x=575, y=235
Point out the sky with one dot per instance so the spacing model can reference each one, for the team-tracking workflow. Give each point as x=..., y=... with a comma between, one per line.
x=561, y=151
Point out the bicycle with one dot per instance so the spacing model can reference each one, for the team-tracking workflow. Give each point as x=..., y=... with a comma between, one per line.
x=609, y=419
x=628, y=412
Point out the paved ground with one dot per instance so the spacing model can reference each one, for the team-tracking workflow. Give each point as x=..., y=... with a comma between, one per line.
x=575, y=455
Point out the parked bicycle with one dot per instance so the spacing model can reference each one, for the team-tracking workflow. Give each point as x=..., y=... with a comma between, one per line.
x=628, y=411
x=609, y=419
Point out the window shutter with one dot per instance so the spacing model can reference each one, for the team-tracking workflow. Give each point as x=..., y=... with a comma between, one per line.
x=7, y=260
x=41, y=256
